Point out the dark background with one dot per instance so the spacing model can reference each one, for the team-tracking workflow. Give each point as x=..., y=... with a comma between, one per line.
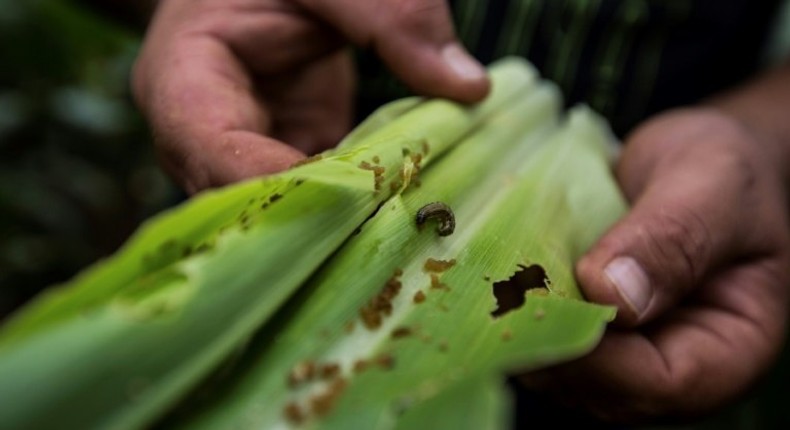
x=77, y=170
x=77, y=173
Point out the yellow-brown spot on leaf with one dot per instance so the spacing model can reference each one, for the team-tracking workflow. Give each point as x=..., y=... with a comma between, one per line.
x=426, y=148
x=293, y=413
x=438, y=266
x=307, y=160
x=416, y=159
x=360, y=366
x=419, y=297
x=328, y=370
x=301, y=373
x=401, y=332
x=321, y=404
x=385, y=361
x=436, y=284
x=380, y=305
x=370, y=317
x=378, y=173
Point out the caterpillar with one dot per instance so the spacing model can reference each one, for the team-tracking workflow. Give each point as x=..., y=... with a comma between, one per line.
x=442, y=213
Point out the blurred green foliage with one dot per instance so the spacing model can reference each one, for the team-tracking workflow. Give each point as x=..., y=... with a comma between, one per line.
x=77, y=172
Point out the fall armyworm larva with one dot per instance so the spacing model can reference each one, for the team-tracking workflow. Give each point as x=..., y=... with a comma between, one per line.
x=442, y=213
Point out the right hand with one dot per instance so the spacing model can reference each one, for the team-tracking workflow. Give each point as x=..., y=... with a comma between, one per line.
x=239, y=88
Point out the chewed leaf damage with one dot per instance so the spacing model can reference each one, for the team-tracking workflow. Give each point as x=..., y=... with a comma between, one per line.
x=510, y=294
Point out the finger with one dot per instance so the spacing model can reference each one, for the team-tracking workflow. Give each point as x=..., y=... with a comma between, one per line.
x=208, y=123
x=307, y=85
x=415, y=38
x=313, y=104
x=691, y=207
x=273, y=36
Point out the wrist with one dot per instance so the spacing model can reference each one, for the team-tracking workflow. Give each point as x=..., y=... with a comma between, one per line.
x=760, y=107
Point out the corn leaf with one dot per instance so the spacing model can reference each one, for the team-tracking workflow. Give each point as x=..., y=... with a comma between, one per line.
x=392, y=331
x=121, y=343
x=479, y=403
x=400, y=314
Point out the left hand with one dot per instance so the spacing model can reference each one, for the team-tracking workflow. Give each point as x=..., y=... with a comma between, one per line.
x=699, y=271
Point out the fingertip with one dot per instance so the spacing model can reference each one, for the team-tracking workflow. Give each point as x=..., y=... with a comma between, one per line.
x=237, y=155
x=632, y=285
x=416, y=40
x=471, y=76
x=243, y=154
x=617, y=281
x=464, y=66
x=446, y=71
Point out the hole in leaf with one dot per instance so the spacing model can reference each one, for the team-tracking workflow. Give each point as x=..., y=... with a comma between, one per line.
x=510, y=293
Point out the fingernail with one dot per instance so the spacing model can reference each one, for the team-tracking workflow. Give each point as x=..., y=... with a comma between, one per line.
x=462, y=63
x=631, y=282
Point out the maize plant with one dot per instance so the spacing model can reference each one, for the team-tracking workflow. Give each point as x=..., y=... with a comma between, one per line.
x=364, y=288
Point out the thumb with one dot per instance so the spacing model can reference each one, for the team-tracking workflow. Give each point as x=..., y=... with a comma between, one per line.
x=416, y=40
x=647, y=262
x=686, y=220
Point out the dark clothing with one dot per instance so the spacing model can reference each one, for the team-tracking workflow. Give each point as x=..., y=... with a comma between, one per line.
x=625, y=58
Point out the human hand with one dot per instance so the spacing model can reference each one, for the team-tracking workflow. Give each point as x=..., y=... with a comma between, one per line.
x=699, y=271
x=238, y=88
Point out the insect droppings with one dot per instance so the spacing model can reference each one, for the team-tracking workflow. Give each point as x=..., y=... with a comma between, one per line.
x=442, y=213
x=438, y=266
x=329, y=371
x=294, y=413
x=321, y=404
x=400, y=332
x=301, y=373
x=380, y=306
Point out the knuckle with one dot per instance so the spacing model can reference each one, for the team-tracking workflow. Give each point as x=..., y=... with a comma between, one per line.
x=420, y=15
x=682, y=239
x=668, y=394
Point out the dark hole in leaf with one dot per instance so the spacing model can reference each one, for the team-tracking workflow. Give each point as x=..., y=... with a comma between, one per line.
x=510, y=293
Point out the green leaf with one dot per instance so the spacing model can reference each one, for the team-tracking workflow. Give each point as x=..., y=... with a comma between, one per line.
x=380, y=327
x=121, y=343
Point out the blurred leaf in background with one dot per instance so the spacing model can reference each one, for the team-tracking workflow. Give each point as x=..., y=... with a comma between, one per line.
x=77, y=172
